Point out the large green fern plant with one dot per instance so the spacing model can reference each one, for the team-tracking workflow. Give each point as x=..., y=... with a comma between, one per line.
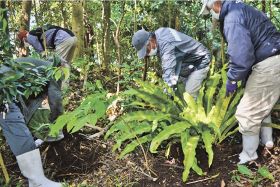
x=153, y=117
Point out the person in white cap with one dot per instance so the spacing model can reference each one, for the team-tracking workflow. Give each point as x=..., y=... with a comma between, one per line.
x=253, y=50
x=180, y=55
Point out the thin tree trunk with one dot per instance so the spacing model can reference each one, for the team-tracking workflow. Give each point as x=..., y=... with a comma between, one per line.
x=263, y=6
x=177, y=20
x=25, y=23
x=270, y=9
x=170, y=15
x=106, y=14
x=35, y=11
x=25, y=14
x=117, y=43
x=78, y=26
x=4, y=170
x=5, y=45
x=146, y=62
x=135, y=16
x=63, y=14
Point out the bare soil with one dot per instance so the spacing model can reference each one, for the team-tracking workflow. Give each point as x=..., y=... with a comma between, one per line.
x=77, y=160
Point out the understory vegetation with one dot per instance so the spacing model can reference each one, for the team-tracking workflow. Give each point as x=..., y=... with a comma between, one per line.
x=124, y=126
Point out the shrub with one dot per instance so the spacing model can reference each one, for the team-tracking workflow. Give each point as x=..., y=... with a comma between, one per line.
x=157, y=118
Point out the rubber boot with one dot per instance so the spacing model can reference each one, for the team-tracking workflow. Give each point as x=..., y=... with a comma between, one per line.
x=30, y=165
x=250, y=146
x=266, y=134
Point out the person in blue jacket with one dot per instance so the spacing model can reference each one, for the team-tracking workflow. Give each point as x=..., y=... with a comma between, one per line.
x=181, y=56
x=254, y=53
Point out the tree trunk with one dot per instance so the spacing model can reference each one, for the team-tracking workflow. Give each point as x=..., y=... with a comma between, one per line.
x=135, y=16
x=35, y=12
x=63, y=14
x=106, y=14
x=170, y=13
x=25, y=14
x=116, y=36
x=270, y=9
x=26, y=6
x=78, y=26
x=5, y=45
x=263, y=6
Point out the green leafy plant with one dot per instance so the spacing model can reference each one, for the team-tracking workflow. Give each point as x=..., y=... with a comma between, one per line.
x=243, y=173
x=26, y=79
x=92, y=108
x=21, y=79
x=158, y=118
x=39, y=123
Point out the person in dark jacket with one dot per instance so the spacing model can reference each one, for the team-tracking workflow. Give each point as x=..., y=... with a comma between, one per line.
x=62, y=40
x=180, y=55
x=253, y=50
x=13, y=119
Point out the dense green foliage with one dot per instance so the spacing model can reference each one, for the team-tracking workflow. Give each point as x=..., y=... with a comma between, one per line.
x=92, y=108
x=21, y=79
x=25, y=79
x=154, y=116
x=158, y=118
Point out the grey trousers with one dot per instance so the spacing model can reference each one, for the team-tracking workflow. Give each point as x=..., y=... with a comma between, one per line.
x=194, y=80
x=16, y=132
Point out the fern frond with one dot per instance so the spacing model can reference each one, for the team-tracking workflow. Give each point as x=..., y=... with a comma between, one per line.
x=196, y=168
x=166, y=133
x=134, y=131
x=208, y=140
x=131, y=146
x=119, y=125
x=211, y=85
x=189, y=144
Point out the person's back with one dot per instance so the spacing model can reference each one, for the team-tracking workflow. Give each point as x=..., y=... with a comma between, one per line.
x=54, y=37
x=187, y=50
x=61, y=40
x=180, y=55
x=263, y=34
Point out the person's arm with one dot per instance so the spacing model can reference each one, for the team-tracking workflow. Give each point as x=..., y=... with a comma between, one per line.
x=168, y=61
x=36, y=44
x=240, y=50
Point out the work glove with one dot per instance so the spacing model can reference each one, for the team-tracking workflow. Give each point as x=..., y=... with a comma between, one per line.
x=231, y=87
x=174, y=88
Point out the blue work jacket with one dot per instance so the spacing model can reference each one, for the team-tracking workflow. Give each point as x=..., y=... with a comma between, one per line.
x=250, y=35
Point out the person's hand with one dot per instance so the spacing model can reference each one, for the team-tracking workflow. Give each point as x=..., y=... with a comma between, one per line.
x=231, y=87
x=165, y=90
x=44, y=54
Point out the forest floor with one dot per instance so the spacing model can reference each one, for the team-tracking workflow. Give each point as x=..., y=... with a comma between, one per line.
x=82, y=162
x=77, y=160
